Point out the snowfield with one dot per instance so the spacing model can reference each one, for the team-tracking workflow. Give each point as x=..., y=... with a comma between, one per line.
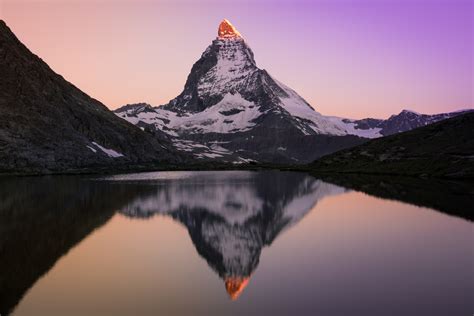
x=233, y=113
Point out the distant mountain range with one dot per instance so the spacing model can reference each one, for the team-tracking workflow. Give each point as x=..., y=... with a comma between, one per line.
x=442, y=149
x=230, y=110
x=404, y=121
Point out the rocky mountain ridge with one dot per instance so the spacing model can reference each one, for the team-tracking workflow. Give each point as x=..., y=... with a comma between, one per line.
x=48, y=125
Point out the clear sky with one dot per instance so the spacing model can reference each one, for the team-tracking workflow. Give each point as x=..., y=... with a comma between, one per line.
x=347, y=58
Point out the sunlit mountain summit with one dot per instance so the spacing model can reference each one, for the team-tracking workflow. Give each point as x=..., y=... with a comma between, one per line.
x=227, y=30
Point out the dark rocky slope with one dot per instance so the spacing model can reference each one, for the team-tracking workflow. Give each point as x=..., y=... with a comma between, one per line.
x=49, y=125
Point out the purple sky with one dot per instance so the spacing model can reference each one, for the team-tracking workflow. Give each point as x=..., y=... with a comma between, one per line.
x=347, y=58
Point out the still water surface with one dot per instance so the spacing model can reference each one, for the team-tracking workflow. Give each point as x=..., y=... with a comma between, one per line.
x=231, y=243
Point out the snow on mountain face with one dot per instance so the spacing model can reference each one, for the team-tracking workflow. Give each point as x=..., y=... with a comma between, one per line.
x=232, y=113
x=299, y=108
x=226, y=92
x=234, y=67
x=352, y=127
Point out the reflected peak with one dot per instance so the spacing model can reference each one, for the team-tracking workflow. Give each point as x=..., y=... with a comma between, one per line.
x=235, y=286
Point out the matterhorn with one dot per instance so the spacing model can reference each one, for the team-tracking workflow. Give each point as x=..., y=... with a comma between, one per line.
x=232, y=111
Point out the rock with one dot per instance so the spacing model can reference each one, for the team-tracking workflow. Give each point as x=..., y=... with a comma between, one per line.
x=48, y=125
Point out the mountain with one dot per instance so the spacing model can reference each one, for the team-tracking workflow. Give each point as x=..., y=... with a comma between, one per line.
x=232, y=110
x=404, y=121
x=442, y=149
x=49, y=125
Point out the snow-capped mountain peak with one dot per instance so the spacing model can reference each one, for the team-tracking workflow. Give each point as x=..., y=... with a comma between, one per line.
x=228, y=67
x=233, y=111
x=229, y=102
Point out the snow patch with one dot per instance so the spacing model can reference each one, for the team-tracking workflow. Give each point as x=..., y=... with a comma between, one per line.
x=109, y=152
x=349, y=128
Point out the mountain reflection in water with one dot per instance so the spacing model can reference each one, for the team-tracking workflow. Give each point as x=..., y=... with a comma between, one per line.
x=230, y=215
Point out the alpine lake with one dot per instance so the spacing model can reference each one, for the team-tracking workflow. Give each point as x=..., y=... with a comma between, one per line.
x=235, y=243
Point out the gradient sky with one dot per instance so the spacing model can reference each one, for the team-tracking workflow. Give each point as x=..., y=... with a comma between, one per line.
x=347, y=58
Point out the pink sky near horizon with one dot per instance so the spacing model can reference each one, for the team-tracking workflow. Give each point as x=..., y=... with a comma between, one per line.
x=346, y=58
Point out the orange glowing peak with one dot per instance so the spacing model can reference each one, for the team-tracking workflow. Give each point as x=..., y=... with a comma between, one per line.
x=235, y=285
x=227, y=30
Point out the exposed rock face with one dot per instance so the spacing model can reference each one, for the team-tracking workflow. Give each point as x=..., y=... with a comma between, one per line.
x=229, y=102
x=49, y=125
